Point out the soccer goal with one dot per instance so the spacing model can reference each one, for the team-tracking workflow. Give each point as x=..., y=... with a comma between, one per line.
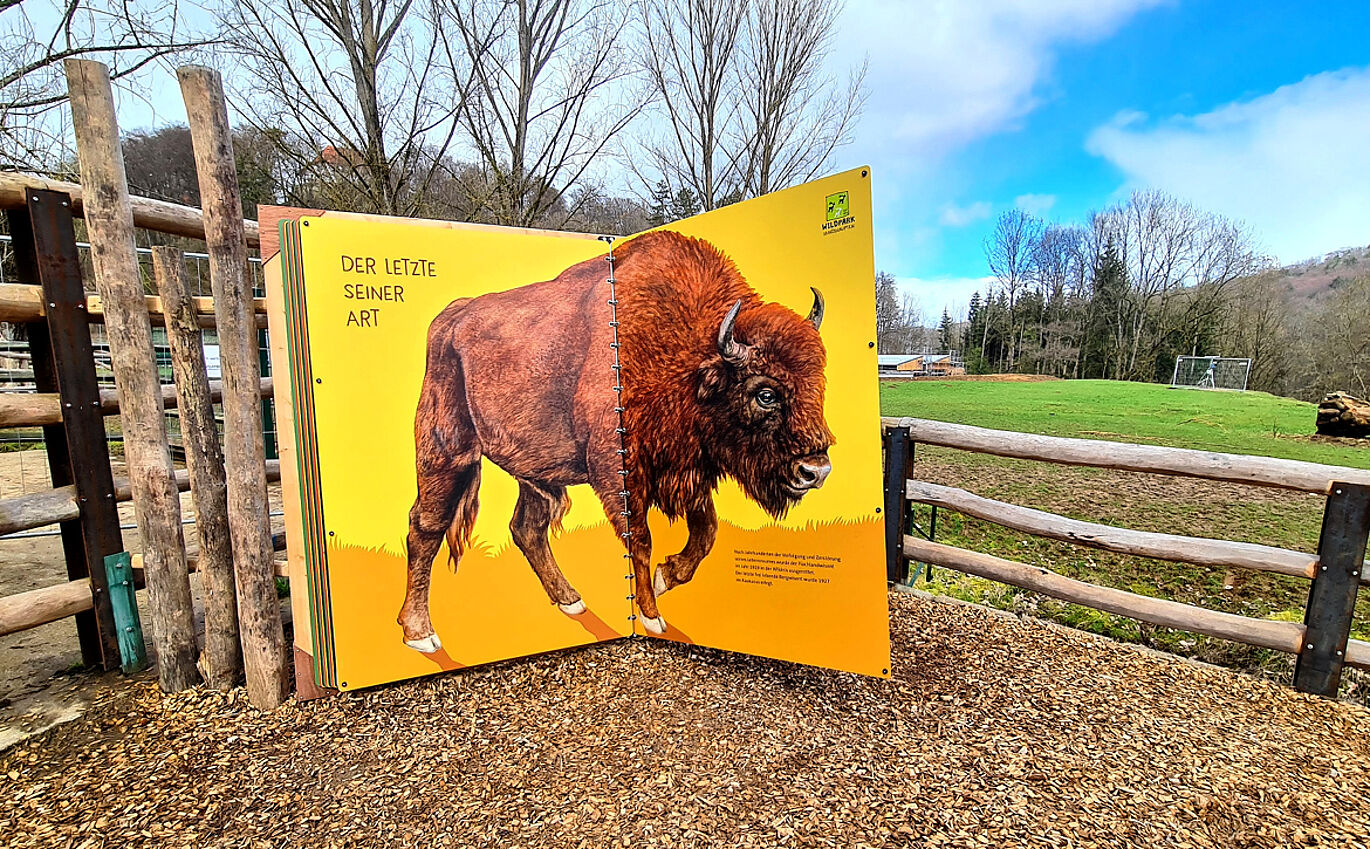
x=1211, y=373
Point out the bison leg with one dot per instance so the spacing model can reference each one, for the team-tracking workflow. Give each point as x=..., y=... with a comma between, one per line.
x=640, y=551
x=447, y=504
x=633, y=533
x=680, y=568
x=448, y=464
x=540, y=507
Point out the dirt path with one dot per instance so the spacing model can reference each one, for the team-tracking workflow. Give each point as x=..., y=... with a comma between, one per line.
x=992, y=731
x=41, y=682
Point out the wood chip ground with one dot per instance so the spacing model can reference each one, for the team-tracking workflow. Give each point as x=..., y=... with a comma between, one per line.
x=992, y=732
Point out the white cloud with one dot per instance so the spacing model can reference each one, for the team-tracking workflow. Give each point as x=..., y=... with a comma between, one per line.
x=1034, y=204
x=960, y=216
x=950, y=293
x=943, y=73
x=946, y=71
x=1290, y=163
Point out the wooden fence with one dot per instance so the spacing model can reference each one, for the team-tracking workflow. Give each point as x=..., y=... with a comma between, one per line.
x=243, y=627
x=1322, y=642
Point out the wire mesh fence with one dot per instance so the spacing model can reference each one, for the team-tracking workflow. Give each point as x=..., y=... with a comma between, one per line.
x=23, y=458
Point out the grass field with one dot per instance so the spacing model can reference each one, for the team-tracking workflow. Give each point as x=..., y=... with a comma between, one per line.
x=1240, y=422
x=1246, y=423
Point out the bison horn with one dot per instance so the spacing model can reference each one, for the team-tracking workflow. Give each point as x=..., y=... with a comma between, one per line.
x=728, y=347
x=816, y=314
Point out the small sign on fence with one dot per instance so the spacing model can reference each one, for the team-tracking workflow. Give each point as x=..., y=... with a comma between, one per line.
x=212, y=369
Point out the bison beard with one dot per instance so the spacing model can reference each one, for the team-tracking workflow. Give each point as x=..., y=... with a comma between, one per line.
x=716, y=383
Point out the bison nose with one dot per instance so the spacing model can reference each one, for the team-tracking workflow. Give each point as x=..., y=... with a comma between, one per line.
x=813, y=471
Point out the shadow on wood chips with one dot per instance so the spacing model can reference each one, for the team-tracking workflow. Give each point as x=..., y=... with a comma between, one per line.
x=992, y=731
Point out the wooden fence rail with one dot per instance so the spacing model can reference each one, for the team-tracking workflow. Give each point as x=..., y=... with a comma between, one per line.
x=37, y=409
x=1125, y=456
x=1321, y=643
x=1200, y=551
x=1281, y=636
x=158, y=215
x=26, y=610
x=23, y=302
x=49, y=507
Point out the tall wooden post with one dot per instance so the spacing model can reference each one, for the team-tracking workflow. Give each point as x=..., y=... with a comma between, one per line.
x=156, y=498
x=222, y=658
x=259, y=609
x=45, y=252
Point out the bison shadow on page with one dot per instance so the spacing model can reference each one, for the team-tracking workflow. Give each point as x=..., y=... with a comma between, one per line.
x=650, y=376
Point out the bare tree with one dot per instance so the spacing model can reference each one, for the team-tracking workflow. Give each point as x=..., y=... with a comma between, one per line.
x=37, y=35
x=1009, y=250
x=888, y=314
x=549, y=91
x=352, y=90
x=690, y=54
x=1255, y=324
x=793, y=115
x=743, y=103
x=1059, y=271
x=1333, y=353
x=1179, y=261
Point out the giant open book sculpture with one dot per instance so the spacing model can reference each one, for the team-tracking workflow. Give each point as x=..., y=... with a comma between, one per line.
x=499, y=442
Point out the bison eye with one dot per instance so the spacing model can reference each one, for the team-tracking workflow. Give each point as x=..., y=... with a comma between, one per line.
x=767, y=397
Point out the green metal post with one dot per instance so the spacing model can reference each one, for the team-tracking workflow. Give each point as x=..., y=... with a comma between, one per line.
x=123, y=598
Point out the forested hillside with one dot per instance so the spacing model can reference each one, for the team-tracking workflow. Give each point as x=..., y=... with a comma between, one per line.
x=1121, y=295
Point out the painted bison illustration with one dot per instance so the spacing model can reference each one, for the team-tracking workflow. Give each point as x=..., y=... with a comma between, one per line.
x=716, y=382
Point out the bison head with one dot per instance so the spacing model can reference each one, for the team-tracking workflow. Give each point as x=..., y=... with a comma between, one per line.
x=761, y=395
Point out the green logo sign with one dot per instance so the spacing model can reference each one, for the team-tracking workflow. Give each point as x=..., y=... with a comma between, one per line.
x=838, y=207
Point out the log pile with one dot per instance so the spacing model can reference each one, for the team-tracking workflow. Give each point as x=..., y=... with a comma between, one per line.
x=1340, y=414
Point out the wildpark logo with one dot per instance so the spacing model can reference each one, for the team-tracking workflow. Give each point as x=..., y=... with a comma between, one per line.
x=837, y=213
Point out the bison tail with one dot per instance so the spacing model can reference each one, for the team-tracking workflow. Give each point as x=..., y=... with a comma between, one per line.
x=464, y=518
x=559, y=506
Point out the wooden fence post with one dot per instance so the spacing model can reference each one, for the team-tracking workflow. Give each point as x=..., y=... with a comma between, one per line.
x=897, y=461
x=1332, y=599
x=45, y=253
x=156, y=498
x=259, y=609
x=222, y=658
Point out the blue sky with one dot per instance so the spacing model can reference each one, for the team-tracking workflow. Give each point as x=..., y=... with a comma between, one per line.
x=1258, y=111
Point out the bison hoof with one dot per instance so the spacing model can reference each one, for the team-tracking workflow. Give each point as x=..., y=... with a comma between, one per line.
x=659, y=582
x=654, y=626
x=428, y=645
x=575, y=608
